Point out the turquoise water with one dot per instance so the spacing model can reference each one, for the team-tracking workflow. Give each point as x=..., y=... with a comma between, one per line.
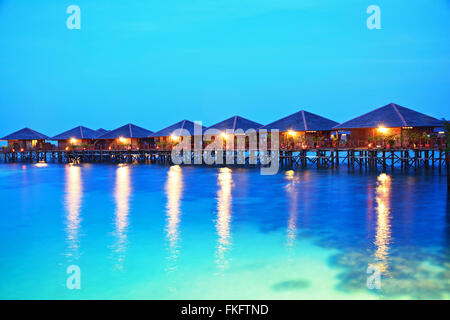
x=155, y=232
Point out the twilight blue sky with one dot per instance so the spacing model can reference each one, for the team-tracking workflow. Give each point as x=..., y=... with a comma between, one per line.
x=156, y=62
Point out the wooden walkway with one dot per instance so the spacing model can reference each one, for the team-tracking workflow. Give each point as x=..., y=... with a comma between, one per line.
x=327, y=157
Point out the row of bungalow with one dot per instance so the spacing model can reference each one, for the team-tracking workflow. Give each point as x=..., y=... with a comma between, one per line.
x=389, y=126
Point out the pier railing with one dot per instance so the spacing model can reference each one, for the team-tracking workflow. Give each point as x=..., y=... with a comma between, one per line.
x=368, y=158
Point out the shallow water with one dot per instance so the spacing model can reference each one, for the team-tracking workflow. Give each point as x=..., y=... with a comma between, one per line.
x=155, y=232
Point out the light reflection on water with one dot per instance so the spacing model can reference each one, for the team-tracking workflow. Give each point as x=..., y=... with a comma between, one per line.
x=308, y=233
x=224, y=201
x=292, y=193
x=73, y=197
x=41, y=165
x=174, y=191
x=122, y=194
x=383, y=226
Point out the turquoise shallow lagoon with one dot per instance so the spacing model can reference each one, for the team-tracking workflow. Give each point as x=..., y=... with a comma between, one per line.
x=156, y=232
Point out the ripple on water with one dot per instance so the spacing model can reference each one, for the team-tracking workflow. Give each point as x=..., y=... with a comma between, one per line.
x=291, y=285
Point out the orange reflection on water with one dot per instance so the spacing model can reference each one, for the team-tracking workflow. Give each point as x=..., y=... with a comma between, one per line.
x=122, y=199
x=293, y=214
x=224, y=200
x=174, y=191
x=383, y=232
x=73, y=197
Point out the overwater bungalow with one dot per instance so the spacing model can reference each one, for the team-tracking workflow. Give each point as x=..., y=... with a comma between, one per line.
x=27, y=139
x=303, y=129
x=232, y=127
x=168, y=137
x=78, y=138
x=391, y=126
x=129, y=136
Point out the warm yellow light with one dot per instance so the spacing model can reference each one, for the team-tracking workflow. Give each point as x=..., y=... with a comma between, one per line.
x=174, y=137
x=290, y=174
x=41, y=164
x=224, y=135
x=73, y=140
x=122, y=139
x=383, y=177
x=225, y=170
x=382, y=129
x=292, y=133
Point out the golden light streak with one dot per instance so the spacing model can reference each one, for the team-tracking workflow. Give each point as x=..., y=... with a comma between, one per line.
x=293, y=210
x=224, y=200
x=383, y=232
x=122, y=194
x=73, y=196
x=174, y=191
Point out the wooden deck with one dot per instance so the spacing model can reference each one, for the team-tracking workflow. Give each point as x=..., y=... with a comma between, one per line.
x=326, y=157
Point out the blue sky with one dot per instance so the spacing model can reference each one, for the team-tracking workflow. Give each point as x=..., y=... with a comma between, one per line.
x=154, y=63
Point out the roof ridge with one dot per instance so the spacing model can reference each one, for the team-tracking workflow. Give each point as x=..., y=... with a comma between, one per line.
x=399, y=114
x=340, y=124
x=319, y=116
x=131, y=132
x=304, y=120
x=39, y=134
x=290, y=115
x=234, y=123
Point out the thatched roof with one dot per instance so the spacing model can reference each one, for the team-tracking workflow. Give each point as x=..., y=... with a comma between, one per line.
x=234, y=123
x=102, y=131
x=79, y=132
x=26, y=134
x=178, y=129
x=302, y=121
x=127, y=131
x=391, y=116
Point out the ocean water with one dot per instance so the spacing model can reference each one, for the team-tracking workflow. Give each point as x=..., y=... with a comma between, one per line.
x=160, y=232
